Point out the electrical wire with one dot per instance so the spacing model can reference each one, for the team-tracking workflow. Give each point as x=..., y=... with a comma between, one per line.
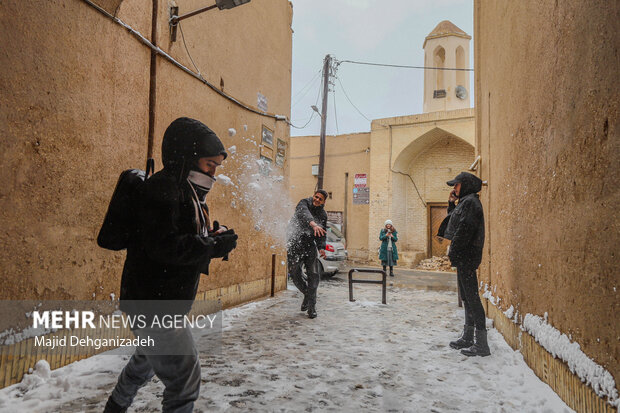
x=401, y=66
x=176, y=63
x=187, y=50
x=307, y=123
x=307, y=90
x=335, y=112
x=347, y=96
x=318, y=95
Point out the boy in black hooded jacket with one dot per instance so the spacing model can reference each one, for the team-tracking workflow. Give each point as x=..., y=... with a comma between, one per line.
x=464, y=227
x=172, y=245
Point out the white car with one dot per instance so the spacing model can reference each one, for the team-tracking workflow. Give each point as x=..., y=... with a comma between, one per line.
x=335, y=253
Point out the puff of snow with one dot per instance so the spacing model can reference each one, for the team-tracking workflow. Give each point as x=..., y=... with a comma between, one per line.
x=224, y=179
x=232, y=131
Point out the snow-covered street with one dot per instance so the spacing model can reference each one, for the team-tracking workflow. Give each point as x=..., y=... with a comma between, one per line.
x=361, y=356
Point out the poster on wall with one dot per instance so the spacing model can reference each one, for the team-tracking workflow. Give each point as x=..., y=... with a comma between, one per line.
x=261, y=101
x=335, y=217
x=361, y=196
x=281, y=153
x=266, y=153
x=264, y=166
x=361, y=180
x=267, y=136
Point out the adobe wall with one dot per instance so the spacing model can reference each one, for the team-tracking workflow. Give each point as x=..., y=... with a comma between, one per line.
x=344, y=154
x=74, y=114
x=547, y=129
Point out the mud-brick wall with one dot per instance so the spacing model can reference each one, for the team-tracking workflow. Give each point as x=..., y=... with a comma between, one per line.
x=74, y=113
x=547, y=128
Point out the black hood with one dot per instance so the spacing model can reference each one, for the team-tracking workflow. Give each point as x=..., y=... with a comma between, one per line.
x=185, y=141
x=470, y=184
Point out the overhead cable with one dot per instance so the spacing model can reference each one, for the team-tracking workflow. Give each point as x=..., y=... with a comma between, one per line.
x=304, y=90
x=347, y=96
x=401, y=66
x=170, y=59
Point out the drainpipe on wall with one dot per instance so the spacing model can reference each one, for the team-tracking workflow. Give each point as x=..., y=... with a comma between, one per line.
x=150, y=162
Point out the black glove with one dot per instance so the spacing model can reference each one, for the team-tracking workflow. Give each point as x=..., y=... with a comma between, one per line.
x=216, y=227
x=224, y=243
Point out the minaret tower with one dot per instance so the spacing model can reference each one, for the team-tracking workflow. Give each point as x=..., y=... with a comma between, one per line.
x=446, y=46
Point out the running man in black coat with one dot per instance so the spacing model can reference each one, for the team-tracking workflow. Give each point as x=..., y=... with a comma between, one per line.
x=172, y=245
x=464, y=227
x=306, y=235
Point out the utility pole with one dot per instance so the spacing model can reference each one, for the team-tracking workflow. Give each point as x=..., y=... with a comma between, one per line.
x=326, y=70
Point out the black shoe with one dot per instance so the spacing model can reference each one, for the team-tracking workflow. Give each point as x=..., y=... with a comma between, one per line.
x=466, y=339
x=112, y=407
x=312, y=313
x=480, y=347
x=391, y=274
x=304, y=304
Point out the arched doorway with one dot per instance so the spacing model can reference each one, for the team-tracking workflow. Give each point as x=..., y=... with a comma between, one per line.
x=419, y=190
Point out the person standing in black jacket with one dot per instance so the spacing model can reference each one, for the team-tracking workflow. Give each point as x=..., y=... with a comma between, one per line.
x=464, y=227
x=172, y=245
x=306, y=235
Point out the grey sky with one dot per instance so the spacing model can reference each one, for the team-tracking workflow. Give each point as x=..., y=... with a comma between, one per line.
x=382, y=31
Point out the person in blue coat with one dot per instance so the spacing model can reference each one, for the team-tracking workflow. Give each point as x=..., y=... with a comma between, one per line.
x=388, y=253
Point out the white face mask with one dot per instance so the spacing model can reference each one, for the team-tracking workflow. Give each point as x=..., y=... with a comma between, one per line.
x=201, y=180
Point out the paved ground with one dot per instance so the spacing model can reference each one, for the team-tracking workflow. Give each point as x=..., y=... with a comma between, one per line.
x=355, y=357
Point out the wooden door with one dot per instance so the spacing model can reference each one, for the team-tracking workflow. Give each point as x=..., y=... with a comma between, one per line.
x=436, y=213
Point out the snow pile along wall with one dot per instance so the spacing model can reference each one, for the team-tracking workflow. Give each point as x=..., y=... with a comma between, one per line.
x=559, y=345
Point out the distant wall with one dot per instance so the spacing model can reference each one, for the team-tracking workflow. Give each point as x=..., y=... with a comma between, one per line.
x=344, y=154
x=74, y=114
x=412, y=157
x=547, y=111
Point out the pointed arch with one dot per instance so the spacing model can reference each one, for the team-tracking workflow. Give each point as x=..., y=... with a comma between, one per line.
x=439, y=60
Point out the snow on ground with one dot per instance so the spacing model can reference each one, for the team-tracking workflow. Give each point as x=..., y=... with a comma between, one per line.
x=361, y=356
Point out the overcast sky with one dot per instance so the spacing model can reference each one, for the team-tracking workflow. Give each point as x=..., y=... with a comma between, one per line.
x=382, y=31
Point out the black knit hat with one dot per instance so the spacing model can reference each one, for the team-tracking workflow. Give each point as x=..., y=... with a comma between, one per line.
x=186, y=140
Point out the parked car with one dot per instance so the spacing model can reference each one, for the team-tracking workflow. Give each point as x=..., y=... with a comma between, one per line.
x=335, y=253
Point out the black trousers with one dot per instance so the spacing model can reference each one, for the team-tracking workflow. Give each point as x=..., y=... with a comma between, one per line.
x=308, y=285
x=468, y=287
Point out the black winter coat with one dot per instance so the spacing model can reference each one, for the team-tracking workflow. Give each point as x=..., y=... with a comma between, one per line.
x=300, y=234
x=168, y=251
x=166, y=255
x=464, y=226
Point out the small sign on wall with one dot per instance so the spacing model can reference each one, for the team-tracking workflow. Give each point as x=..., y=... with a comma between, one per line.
x=267, y=137
x=361, y=180
x=335, y=217
x=361, y=196
x=281, y=153
x=261, y=102
x=265, y=166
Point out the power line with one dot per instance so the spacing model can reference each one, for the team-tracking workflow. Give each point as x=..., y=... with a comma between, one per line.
x=318, y=95
x=187, y=50
x=307, y=123
x=176, y=63
x=347, y=96
x=335, y=112
x=307, y=90
x=402, y=66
